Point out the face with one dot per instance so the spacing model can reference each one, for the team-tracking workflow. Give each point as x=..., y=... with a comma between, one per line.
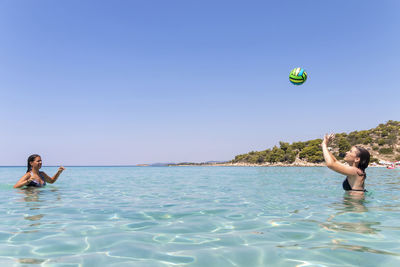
x=36, y=163
x=352, y=156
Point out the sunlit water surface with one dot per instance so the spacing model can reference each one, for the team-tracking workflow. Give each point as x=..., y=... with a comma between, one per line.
x=199, y=216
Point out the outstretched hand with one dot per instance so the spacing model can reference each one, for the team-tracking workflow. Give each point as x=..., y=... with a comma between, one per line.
x=328, y=138
x=61, y=168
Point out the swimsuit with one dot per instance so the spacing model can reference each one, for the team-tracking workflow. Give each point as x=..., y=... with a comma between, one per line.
x=37, y=184
x=347, y=186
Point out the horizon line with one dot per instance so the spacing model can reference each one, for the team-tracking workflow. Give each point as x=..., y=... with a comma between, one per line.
x=137, y=165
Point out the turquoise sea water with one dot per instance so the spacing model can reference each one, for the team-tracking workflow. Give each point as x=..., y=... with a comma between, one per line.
x=199, y=216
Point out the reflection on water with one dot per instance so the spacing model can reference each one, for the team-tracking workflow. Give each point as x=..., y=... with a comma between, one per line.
x=30, y=261
x=337, y=245
x=346, y=210
x=35, y=199
x=353, y=203
x=358, y=227
x=34, y=218
x=33, y=195
x=30, y=194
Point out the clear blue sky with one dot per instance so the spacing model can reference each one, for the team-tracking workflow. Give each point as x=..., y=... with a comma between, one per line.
x=127, y=82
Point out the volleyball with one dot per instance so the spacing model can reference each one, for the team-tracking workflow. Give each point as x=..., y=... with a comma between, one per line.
x=298, y=76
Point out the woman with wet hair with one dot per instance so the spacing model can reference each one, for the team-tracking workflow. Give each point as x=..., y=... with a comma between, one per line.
x=357, y=159
x=34, y=177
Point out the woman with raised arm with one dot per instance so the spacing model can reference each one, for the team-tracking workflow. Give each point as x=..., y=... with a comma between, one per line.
x=358, y=160
x=34, y=177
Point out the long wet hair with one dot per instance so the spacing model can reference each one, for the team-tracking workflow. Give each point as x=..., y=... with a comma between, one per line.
x=364, y=156
x=30, y=159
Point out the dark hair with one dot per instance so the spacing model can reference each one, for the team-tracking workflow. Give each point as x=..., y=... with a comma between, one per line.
x=364, y=156
x=30, y=159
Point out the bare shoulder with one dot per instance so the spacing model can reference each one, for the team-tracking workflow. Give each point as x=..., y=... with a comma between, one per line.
x=356, y=174
x=26, y=176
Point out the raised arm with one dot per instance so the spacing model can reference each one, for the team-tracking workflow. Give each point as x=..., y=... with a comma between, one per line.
x=51, y=180
x=25, y=180
x=331, y=162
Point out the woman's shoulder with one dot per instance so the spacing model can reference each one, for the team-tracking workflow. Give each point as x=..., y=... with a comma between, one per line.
x=354, y=171
x=26, y=176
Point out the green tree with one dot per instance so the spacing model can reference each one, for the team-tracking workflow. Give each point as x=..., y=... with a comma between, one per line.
x=386, y=150
x=312, y=153
x=367, y=140
x=384, y=133
x=284, y=146
x=344, y=146
x=391, y=139
x=298, y=145
x=277, y=155
x=290, y=155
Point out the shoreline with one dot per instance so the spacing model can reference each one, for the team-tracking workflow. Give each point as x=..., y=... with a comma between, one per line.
x=279, y=164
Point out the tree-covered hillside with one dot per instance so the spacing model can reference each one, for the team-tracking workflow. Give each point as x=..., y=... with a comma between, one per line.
x=382, y=142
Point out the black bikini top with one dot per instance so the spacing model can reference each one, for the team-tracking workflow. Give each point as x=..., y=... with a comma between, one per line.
x=347, y=186
x=37, y=184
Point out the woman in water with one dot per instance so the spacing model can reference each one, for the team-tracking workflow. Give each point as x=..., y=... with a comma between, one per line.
x=358, y=160
x=34, y=177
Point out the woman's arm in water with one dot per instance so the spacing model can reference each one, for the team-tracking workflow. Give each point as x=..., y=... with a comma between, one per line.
x=332, y=163
x=51, y=180
x=23, y=181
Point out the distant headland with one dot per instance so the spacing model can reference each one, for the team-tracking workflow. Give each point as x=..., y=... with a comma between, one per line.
x=382, y=142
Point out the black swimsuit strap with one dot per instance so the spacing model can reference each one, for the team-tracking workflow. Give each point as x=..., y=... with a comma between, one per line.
x=347, y=187
x=359, y=190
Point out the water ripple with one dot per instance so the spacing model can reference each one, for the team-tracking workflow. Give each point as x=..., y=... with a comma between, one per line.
x=200, y=216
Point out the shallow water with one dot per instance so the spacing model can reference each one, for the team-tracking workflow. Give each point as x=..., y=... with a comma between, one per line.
x=199, y=216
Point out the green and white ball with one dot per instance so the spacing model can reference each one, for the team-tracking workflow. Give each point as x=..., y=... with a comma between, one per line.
x=298, y=76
